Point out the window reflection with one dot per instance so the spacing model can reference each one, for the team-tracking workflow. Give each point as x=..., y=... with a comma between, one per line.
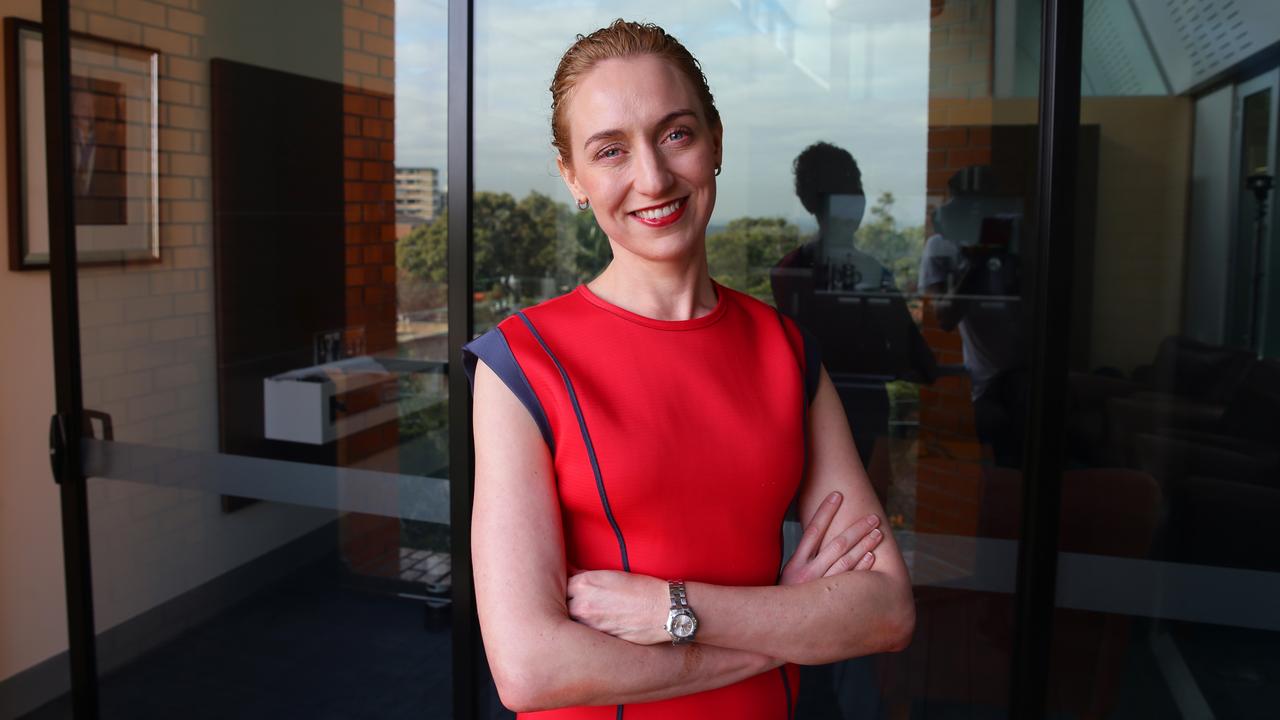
x=1171, y=445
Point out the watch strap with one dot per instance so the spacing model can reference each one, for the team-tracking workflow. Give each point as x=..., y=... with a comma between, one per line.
x=679, y=600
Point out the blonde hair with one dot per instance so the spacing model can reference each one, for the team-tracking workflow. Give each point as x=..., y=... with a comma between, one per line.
x=621, y=39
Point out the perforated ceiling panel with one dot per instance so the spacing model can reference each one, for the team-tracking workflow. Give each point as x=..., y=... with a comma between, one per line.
x=1117, y=59
x=1197, y=39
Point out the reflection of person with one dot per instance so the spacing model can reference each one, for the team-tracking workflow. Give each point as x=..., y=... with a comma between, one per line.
x=971, y=266
x=639, y=439
x=847, y=298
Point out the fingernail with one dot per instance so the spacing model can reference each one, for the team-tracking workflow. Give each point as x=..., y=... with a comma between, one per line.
x=833, y=497
x=873, y=520
x=876, y=534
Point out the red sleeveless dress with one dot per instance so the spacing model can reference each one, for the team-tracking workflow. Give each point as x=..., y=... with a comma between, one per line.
x=678, y=447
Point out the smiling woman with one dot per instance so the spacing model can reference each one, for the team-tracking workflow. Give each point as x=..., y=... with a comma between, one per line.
x=647, y=159
x=640, y=438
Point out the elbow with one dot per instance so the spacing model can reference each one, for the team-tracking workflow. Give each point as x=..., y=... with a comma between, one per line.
x=516, y=692
x=901, y=627
x=521, y=686
x=900, y=622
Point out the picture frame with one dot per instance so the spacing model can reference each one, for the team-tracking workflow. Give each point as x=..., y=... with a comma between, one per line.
x=115, y=109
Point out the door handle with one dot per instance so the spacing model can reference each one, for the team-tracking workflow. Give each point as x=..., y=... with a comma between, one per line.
x=108, y=433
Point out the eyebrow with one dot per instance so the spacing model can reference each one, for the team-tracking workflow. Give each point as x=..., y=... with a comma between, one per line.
x=615, y=132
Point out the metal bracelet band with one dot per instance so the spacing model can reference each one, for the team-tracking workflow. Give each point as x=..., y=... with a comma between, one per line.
x=679, y=601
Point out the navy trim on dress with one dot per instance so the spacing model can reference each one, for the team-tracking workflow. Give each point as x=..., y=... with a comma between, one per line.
x=812, y=365
x=786, y=689
x=586, y=439
x=492, y=347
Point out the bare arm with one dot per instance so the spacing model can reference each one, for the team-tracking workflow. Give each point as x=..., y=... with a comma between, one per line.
x=539, y=657
x=834, y=617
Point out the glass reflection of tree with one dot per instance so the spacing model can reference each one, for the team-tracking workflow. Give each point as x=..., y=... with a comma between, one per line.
x=524, y=251
x=527, y=248
x=742, y=254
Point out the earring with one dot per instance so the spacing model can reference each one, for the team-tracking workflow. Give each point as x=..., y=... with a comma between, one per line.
x=717, y=171
x=584, y=203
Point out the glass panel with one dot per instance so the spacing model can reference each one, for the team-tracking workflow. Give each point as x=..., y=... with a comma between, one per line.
x=269, y=491
x=1167, y=580
x=907, y=264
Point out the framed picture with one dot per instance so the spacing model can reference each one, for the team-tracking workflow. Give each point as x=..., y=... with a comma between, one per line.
x=114, y=149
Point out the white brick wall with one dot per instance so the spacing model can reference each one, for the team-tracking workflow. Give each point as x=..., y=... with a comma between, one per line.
x=148, y=348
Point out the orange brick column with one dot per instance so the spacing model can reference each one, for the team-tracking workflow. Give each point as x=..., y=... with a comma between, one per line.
x=371, y=544
x=949, y=470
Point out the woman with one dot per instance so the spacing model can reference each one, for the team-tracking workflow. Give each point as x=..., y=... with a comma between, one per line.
x=639, y=440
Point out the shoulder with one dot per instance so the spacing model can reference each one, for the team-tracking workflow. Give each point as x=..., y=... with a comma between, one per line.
x=939, y=246
x=800, y=257
x=561, y=308
x=756, y=311
x=801, y=344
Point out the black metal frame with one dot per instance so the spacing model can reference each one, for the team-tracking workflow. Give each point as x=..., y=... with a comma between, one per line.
x=1060, y=65
x=67, y=429
x=466, y=628
x=1037, y=562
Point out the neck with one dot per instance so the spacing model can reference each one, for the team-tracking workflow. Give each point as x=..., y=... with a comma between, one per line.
x=662, y=290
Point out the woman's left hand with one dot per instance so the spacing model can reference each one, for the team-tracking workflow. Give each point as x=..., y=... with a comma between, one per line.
x=627, y=606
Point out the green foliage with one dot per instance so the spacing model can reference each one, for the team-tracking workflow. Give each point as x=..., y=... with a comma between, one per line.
x=592, y=251
x=423, y=253
x=528, y=247
x=898, y=249
x=520, y=246
x=741, y=255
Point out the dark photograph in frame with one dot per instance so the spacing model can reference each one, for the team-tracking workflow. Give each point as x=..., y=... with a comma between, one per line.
x=114, y=149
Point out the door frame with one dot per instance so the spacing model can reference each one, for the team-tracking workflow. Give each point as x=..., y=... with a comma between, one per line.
x=66, y=430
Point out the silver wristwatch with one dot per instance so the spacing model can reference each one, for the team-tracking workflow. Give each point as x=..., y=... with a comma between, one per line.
x=681, y=622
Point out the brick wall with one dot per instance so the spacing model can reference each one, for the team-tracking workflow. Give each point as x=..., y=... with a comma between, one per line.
x=370, y=544
x=369, y=169
x=949, y=461
x=148, y=345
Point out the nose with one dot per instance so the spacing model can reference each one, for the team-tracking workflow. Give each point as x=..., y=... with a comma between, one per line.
x=652, y=175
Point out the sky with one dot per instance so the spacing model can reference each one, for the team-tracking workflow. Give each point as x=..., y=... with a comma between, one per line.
x=785, y=74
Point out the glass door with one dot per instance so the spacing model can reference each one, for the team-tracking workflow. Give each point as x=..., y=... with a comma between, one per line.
x=878, y=186
x=1167, y=577
x=263, y=364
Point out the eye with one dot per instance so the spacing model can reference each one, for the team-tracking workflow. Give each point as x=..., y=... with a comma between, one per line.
x=678, y=135
x=609, y=153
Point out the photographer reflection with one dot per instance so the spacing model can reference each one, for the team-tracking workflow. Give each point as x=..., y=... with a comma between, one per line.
x=971, y=268
x=848, y=300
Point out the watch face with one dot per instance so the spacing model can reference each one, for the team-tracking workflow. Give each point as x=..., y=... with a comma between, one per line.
x=683, y=625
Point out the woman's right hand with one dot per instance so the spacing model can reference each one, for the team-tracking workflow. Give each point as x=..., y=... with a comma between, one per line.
x=850, y=550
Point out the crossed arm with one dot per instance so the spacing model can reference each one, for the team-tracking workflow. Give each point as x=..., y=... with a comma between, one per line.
x=548, y=636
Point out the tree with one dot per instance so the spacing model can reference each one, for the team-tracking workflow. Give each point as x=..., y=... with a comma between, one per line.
x=898, y=249
x=741, y=255
x=592, y=251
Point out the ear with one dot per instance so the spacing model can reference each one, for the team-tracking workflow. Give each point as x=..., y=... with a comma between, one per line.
x=570, y=178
